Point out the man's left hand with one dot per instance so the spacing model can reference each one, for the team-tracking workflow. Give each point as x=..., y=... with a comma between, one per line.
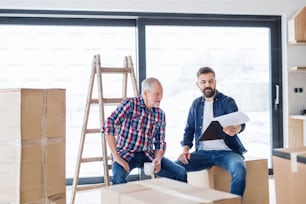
x=232, y=130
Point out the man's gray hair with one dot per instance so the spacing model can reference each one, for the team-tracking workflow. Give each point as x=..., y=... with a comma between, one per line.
x=146, y=84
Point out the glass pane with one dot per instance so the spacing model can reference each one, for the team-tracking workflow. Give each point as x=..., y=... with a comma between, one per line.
x=61, y=57
x=241, y=59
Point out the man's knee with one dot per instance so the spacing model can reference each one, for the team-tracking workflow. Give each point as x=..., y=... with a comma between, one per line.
x=119, y=174
x=119, y=177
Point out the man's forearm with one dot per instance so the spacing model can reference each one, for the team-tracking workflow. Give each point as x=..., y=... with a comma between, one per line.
x=111, y=141
x=159, y=154
x=186, y=148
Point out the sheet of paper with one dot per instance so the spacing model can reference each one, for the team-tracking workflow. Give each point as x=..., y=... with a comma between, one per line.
x=230, y=119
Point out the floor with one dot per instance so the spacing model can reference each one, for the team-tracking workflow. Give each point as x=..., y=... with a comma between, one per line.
x=94, y=197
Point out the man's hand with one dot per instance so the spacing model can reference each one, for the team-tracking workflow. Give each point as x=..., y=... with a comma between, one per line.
x=184, y=157
x=232, y=130
x=157, y=165
x=122, y=162
x=112, y=145
x=157, y=160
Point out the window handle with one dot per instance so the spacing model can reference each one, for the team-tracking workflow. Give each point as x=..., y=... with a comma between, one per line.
x=276, y=100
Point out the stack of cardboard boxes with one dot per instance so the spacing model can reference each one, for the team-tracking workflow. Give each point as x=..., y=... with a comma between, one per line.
x=32, y=146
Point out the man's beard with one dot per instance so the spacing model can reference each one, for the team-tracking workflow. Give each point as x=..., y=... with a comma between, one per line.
x=209, y=92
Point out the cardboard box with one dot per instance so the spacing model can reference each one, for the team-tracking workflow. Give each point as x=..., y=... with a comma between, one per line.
x=191, y=192
x=135, y=193
x=32, y=145
x=289, y=166
x=219, y=179
x=111, y=194
x=162, y=190
x=153, y=196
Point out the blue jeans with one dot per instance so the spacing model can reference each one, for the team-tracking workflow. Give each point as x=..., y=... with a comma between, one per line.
x=169, y=169
x=232, y=162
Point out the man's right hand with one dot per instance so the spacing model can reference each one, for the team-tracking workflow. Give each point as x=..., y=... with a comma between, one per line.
x=116, y=158
x=122, y=162
x=184, y=157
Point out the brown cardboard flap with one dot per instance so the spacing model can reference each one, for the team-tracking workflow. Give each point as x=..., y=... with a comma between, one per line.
x=56, y=113
x=31, y=114
x=55, y=169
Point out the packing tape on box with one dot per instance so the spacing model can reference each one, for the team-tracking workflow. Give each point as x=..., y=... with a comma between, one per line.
x=54, y=198
x=178, y=194
x=293, y=158
x=50, y=200
x=43, y=141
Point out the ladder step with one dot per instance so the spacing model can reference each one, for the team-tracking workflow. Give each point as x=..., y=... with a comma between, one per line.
x=90, y=187
x=95, y=159
x=93, y=130
x=107, y=101
x=116, y=70
x=91, y=159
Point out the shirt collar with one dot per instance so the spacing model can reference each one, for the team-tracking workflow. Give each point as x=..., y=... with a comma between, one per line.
x=141, y=102
x=143, y=105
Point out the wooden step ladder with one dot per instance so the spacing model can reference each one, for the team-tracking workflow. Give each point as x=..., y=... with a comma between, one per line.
x=96, y=74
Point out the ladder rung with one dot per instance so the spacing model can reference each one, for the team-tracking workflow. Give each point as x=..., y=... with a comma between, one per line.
x=107, y=101
x=94, y=159
x=115, y=70
x=90, y=187
x=94, y=130
x=94, y=101
x=91, y=159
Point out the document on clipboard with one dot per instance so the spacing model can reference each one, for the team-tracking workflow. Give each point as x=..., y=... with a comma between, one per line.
x=215, y=128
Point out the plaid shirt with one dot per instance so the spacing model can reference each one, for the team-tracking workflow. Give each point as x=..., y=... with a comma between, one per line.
x=137, y=128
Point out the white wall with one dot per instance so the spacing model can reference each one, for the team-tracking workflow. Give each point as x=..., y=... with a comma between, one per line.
x=285, y=8
x=191, y=6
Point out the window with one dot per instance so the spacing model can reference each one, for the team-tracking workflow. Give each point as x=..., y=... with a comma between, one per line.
x=53, y=56
x=245, y=51
x=239, y=55
x=44, y=52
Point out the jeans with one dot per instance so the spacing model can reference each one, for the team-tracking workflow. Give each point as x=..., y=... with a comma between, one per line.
x=169, y=169
x=230, y=161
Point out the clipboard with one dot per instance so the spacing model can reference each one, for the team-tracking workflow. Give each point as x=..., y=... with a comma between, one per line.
x=212, y=132
x=215, y=129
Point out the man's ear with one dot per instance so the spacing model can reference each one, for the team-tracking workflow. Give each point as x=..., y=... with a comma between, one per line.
x=144, y=92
